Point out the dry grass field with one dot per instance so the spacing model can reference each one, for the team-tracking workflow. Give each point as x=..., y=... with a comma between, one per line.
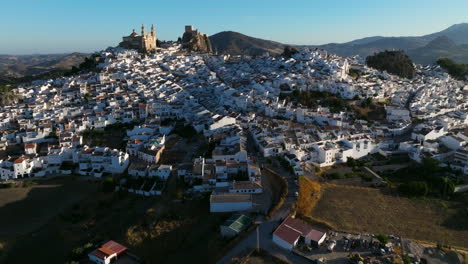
x=24, y=209
x=154, y=228
x=261, y=257
x=357, y=209
x=309, y=194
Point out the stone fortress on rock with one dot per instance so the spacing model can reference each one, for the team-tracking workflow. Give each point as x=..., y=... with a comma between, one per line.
x=192, y=41
x=196, y=41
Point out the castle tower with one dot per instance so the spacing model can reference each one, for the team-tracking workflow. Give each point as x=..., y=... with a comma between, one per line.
x=153, y=33
x=143, y=32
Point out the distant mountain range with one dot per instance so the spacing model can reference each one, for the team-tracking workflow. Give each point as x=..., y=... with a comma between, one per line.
x=451, y=42
x=16, y=66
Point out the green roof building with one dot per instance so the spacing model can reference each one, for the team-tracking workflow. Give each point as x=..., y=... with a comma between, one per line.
x=235, y=225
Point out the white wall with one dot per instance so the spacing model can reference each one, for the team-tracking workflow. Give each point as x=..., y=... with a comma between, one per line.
x=230, y=207
x=280, y=242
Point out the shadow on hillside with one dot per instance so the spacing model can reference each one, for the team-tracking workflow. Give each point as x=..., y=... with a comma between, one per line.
x=40, y=205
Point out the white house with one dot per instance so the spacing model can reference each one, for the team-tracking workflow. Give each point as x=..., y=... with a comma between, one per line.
x=163, y=172
x=107, y=253
x=287, y=235
x=245, y=187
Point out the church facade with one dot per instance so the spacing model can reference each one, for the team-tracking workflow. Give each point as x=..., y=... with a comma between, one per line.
x=145, y=43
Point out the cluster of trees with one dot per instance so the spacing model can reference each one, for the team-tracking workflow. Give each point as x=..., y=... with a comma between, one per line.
x=368, y=102
x=89, y=64
x=354, y=73
x=79, y=253
x=285, y=164
x=289, y=51
x=7, y=96
x=348, y=175
x=394, y=62
x=458, y=71
x=428, y=178
x=187, y=131
x=312, y=99
x=353, y=163
x=88, y=133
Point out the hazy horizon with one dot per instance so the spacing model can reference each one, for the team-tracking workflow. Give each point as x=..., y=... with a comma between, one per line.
x=56, y=27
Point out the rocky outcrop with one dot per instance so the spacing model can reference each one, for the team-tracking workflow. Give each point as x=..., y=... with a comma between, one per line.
x=196, y=41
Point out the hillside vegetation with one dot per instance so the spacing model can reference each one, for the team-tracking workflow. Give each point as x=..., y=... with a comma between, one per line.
x=7, y=95
x=229, y=42
x=394, y=62
x=458, y=71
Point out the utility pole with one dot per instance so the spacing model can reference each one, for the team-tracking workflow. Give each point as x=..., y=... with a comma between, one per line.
x=258, y=239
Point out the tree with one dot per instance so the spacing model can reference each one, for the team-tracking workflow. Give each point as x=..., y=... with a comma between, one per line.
x=406, y=259
x=289, y=51
x=108, y=185
x=382, y=238
x=367, y=102
x=351, y=162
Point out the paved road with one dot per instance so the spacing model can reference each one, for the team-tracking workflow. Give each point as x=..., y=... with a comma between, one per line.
x=265, y=238
x=267, y=227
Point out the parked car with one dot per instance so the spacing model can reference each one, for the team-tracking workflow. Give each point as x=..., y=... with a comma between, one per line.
x=331, y=245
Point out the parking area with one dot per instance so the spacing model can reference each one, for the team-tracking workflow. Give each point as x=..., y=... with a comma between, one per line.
x=338, y=247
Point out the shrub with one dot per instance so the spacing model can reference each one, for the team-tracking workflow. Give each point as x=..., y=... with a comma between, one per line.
x=289, y=51
x=337, y=175
x=186, y=131
x=108, y=185
x=382, y=238
x=7, y=185
x=456, y=70
x=414, y=188
x=406, y=259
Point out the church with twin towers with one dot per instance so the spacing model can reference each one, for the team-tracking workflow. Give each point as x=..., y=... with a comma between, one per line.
x=145, y=43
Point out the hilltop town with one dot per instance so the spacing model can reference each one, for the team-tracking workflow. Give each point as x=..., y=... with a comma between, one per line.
x=234, y=128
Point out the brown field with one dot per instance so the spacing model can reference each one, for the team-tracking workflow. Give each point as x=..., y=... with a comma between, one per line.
x=156, y=229
x=357, y=209
x=22, y=210
x=261, y=257
x=309, y=194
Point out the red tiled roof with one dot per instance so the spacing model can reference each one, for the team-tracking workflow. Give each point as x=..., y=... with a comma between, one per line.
x=19, y=160
x=315, y=235
x=114, y=246
x=106, y=251
x=109, y=248
x=298, y=225
x=287, y=234
x=292, y=228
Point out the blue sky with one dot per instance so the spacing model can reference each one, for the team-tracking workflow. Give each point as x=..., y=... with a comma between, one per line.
x=56, y=26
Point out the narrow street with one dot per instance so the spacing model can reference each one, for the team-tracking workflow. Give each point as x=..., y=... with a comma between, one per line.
x=267, y=227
